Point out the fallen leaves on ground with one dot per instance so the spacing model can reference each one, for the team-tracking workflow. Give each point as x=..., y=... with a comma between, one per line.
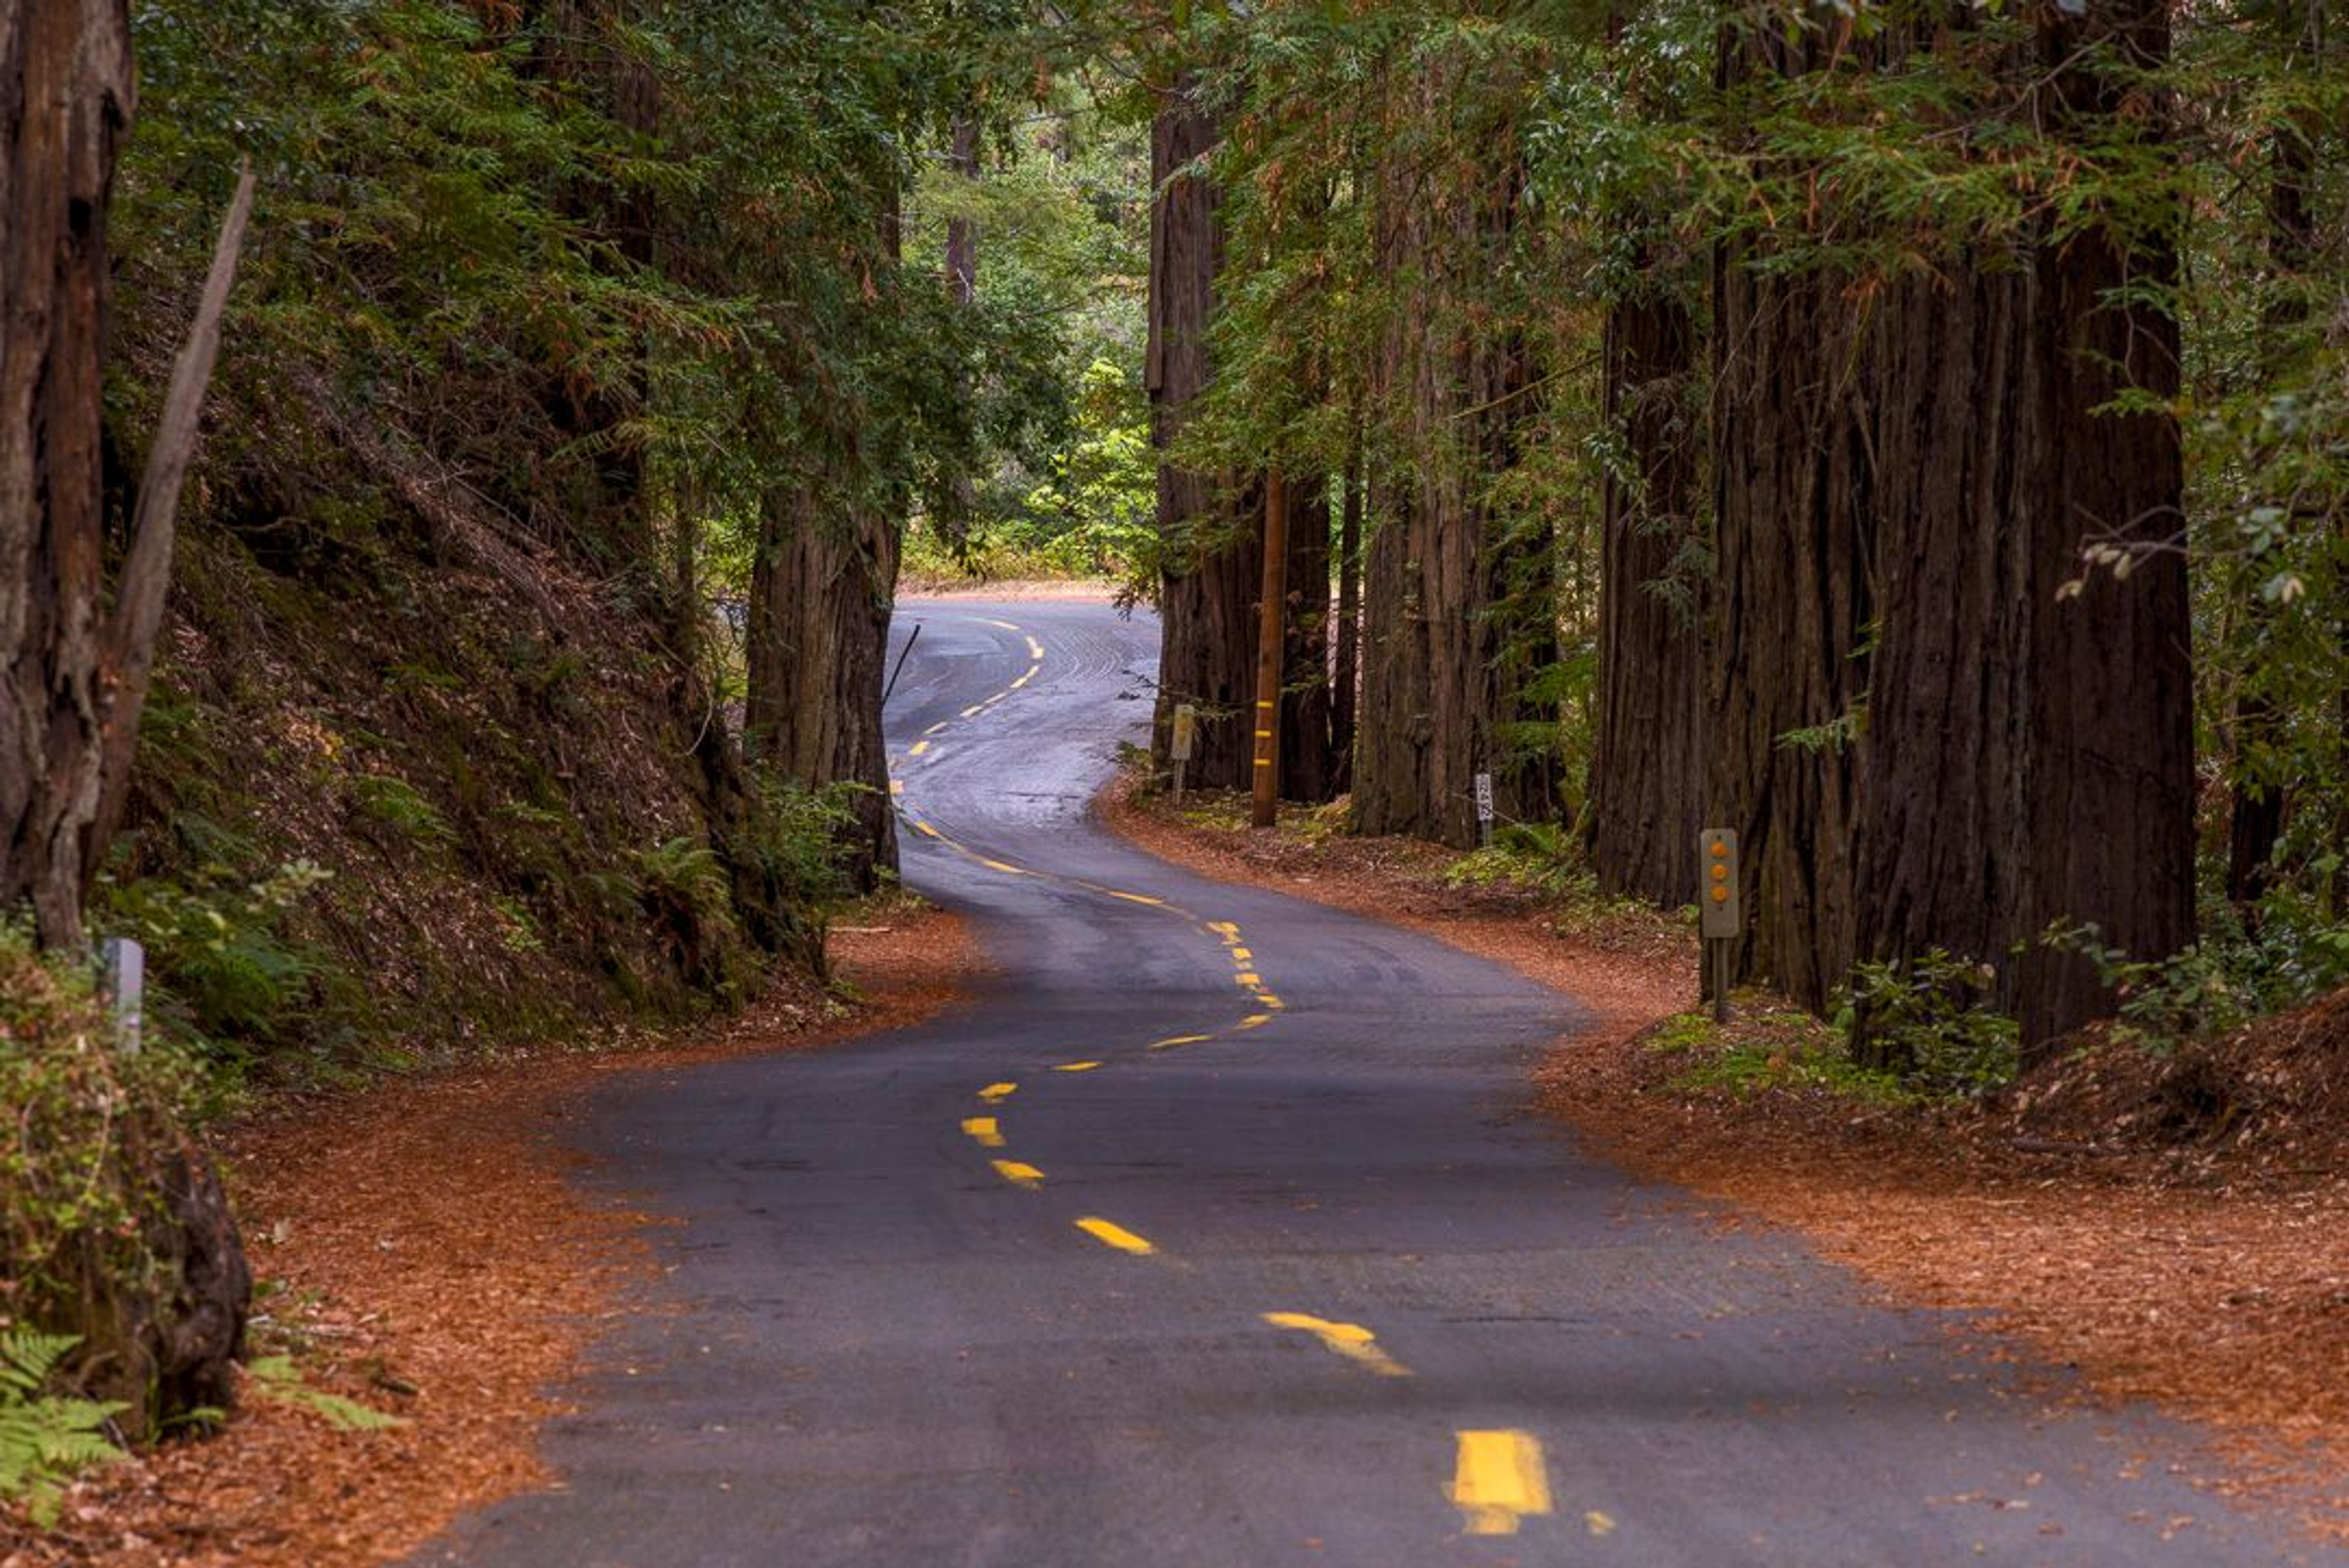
x=425, y=1256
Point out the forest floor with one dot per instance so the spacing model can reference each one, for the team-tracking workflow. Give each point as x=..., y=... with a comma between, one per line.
x=2169, y=1227
x=421, y=1253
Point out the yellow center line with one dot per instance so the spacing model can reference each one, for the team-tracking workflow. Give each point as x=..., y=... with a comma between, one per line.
x=1114, y=1235
x=999, y=866
x=1178, y=1040
x=973, y=710
x=1250, y=978
x=1254, y=1021
x=917, y=748
x=1227, y=930
x=1023, y=680
x=984, y=1129
x=1017, y=1173
x=1242, y=956
x=1350, y=1340
x=1136, y=898
x=941, y=725
x=921, y=827
x=1266, y=999
x=1499, y=1479
x=1075, y=1066
x=1005, y=624
x=1035, y=649
x=996, y=1093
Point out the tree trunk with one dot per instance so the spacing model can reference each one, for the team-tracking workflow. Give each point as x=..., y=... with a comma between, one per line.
x=1444, y=670
x=1346, y=674
x=66, y=81
x=1212, y=557
x=1647, y=773
x=1306, y=769
x=2111, y=725
x=820, y=591
x=962, y=235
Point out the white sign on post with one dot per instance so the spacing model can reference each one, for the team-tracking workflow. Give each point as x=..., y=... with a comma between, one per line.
x=1484, y=807
x=1186, y=730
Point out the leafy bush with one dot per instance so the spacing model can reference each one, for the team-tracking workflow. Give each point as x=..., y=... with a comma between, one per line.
x=2232, y=976
x=45, y=1438
x=1929, y=1023
x=229, y=974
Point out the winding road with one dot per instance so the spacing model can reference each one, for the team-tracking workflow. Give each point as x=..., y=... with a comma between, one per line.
x=1218, y=1232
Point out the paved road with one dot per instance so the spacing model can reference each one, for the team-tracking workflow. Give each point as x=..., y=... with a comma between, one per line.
x=1216, y=1233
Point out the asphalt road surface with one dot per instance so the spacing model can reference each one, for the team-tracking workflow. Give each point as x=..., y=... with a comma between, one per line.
x=1217, y=1233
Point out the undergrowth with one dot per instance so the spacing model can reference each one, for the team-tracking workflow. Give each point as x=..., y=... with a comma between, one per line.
x=46, y=1437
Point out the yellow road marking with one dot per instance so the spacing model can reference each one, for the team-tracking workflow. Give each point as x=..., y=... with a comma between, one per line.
x=973, y=710
x=1136, y=898
x=983, y=1128
x=1076, y=1067
x=1250, y=978
x=1350, y=1340
x=1023, y=680
x=1035, y=649
x=996, y=1093
x=1017, y=1173
x=1254, y=1021
x=1242, y=956
x=999, y=866
x=1178, y=1040
x=917, y=748
x=1227, y=930
x=1500, y=1478
x=1005, y=624
x=1266, y=999
x=941, y=724
x=926, y=828
x=896, y=786
x=1113, y=1235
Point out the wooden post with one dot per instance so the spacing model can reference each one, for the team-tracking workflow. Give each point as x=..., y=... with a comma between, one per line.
x=1269, y=648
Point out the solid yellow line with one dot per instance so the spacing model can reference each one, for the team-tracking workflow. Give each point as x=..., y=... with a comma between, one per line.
x=1350, y=1340
x=1113, y=1235
x=983, y=1128
x=917, y=748
x=1178, y=1040
x=1500, y=1478
x=1018, y=1174
x=1075, y=1066
x=995, y=1092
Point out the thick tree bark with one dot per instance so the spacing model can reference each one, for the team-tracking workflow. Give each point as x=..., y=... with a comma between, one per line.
x=1346, y=672
x=1445, y=672
x=1647, y=773
x=1306, y=769
x=2111, y=724
x=1207, y=584
x=820, y=591
x=66, y=95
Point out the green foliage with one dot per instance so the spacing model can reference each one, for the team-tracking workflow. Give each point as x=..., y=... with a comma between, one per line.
x=1929, y=1023
x=229, y=973
x=394, y=803
x=1765, y=1050
x=2232, y=976
x=45, y=1438
x=277, y=1379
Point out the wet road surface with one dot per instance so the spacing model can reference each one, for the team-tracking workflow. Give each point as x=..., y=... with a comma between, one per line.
x=1218, y=1232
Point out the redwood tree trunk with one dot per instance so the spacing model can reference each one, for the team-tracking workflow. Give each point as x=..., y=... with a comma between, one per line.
x=1306, y=772
x=1445, y=669
x=1346, y=667
x=1647, y=773
x=1212, y=561
x=66, y=93
x=821, y=590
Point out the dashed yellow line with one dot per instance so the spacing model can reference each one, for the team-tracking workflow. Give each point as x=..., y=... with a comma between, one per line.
x=997, y=1093
x=1114, y=1235
x=1499, y=1479
x=1004, y=866
x=1242, y=956
x=1019, y=1173
x=921, y=827
x=1136, y=898
x=984, y=1129
x=1250, y=978
x=1254, y=1021
x=1350, y=1340
x=918, y=747
x=1266, y=999
x=1023, y=680
x=973, y=710
x=1075, y=1066
x=1179, y=1040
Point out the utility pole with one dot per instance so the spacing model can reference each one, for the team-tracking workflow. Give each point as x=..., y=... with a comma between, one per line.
x=1268, y=649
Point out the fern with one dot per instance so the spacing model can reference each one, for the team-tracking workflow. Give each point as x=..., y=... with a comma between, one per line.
x=276, y=1378
x=45, y=1439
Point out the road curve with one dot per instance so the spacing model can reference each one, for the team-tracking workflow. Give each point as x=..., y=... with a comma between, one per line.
x=1216, y=1233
